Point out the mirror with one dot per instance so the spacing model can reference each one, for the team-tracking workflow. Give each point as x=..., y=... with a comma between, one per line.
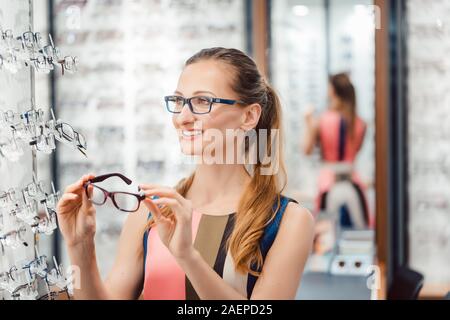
x=323, y=66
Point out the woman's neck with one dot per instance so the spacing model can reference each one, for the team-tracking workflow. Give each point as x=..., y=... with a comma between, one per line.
x=218, y=184
x=342, y=108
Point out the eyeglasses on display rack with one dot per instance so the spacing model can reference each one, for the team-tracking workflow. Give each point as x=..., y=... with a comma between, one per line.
x=14, y=238
x=22, y=208
x=28, y=49
x=21, y=280
x=31, y=40
x=123, y=201
x=197, y=105
x=64, y=133
x=30, y=127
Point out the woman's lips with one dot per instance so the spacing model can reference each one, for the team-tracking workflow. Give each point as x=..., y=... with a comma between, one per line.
x=190, y=134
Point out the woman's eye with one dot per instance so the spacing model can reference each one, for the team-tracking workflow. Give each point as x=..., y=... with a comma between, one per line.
x=177, y=100
x=203, y=101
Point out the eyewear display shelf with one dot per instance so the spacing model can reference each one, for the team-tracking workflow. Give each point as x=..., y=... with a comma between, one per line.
x=428, y=42
x=16, y=92
x=27, y=134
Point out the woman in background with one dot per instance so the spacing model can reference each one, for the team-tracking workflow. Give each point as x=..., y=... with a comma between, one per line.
x=340, y=134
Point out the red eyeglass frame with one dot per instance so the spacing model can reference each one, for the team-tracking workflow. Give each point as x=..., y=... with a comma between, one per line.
x=140, y=196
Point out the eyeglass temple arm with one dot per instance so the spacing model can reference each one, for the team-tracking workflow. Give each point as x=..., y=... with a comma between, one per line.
x=51, y=40
x=227, y=101
x=107, y=176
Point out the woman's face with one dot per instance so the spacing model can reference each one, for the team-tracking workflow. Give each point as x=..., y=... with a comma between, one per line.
x=212, y=79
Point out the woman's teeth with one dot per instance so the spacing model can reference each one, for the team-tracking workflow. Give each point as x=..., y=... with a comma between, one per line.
x=192, y=133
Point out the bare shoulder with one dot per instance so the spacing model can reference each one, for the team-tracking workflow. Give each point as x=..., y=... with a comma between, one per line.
x=297, y=218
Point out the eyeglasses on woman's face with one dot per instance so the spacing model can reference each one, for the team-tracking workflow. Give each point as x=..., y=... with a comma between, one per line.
x=123, y=201
x=197, y=105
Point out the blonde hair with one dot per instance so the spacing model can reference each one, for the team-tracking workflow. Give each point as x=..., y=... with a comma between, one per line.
x=256, y=205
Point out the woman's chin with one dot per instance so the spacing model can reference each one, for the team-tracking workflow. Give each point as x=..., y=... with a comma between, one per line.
x=190, y=150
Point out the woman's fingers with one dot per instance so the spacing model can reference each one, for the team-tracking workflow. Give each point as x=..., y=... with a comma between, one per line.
x=86, y=203
x=148, y=186
x=164, y=192
x=153, y=208
x=77, y=186
x=166, y=201
x=161, y=191
x=67, y=200
x=74, y=187
x=175, y=206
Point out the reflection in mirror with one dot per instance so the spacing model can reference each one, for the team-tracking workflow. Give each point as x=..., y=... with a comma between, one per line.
x=322, y=64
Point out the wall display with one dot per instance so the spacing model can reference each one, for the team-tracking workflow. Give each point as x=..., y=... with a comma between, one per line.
x=309, y=42
x=429, y=135
x=130, y=56
x=28, y=205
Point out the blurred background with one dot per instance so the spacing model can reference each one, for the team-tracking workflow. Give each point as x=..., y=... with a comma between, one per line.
x=388, y=213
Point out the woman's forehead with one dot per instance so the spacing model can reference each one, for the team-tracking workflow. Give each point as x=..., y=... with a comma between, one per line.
x=206, y=75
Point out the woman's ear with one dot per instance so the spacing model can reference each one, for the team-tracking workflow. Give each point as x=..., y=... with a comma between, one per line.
x=251, y=116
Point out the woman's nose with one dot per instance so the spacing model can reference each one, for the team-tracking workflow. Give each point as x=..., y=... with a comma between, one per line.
x=185, y=115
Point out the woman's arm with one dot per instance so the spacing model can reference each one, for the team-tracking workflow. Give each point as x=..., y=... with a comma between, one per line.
x=285, y=262
x=89, y=285
x=77, y=221
x=311, y=133
x=125, y=280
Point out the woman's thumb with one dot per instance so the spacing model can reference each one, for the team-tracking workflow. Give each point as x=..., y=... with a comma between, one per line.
x=86, y=202
x=153, y=208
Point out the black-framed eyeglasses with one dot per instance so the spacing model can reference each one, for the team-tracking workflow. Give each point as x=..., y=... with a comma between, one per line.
x=123, y=201
x=197, y=105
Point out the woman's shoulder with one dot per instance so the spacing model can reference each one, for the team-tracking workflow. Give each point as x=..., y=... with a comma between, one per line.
x=329, y=116
x=296, y=215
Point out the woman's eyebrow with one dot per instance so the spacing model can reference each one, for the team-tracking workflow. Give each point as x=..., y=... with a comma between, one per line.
x=195, y=93
x=208, y=92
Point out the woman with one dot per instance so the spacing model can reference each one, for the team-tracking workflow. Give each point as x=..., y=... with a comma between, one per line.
x=340, y=134
x=193, y=248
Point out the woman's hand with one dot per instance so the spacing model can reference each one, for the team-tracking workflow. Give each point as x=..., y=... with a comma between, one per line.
x=176, y=232
x=309, y=115
x=76, y=214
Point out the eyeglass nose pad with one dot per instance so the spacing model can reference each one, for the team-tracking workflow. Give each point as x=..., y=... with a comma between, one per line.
x=187, y=110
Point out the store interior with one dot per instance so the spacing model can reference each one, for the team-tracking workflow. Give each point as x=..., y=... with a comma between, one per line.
x=115, y=62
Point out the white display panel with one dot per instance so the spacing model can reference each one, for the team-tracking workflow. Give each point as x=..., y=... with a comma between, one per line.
x=429, y=135
x=131, y=54
x=15, y=95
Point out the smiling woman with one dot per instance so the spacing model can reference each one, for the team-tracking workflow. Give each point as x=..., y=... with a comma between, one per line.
x=225, y=231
